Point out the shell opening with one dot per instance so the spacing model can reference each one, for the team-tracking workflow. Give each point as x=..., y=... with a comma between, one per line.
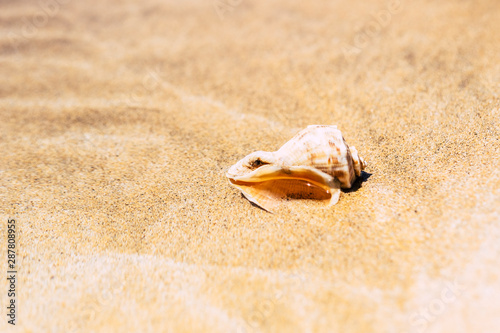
x=271, y=186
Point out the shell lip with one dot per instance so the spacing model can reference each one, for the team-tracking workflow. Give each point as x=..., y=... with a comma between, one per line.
x=273, y=172
x=254, y=176
x=241, y=167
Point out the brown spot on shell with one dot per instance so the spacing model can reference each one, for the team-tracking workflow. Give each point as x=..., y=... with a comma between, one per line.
x=312, y=157
x=335, y=145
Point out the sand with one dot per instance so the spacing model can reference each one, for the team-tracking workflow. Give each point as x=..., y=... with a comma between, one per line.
x=119, y=120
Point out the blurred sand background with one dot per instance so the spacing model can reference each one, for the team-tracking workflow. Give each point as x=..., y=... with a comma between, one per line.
x=119, y=120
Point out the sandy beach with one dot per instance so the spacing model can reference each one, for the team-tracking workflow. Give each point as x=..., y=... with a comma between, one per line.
x=120, y=119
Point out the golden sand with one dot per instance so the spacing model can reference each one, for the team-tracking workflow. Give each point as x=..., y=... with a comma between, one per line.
x=119, y=120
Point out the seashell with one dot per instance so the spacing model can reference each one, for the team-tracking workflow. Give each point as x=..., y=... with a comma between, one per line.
x=315, y=164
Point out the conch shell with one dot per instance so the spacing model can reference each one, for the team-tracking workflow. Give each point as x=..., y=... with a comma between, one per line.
x=314, y=164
